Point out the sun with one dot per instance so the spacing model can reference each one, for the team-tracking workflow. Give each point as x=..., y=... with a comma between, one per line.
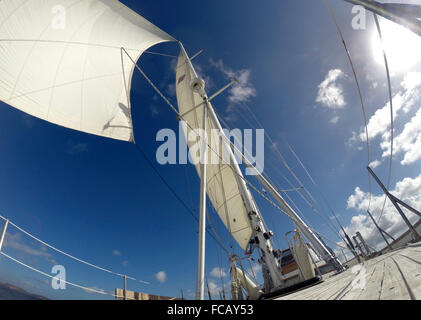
x=403, y=47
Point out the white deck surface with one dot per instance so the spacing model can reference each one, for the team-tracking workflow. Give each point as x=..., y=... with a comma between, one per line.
x=392, y=276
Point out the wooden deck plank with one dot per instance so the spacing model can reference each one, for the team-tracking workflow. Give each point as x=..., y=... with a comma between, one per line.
x=356, y=275
x=393, y=285
x=305, y=294
x=411, y=272
x=332, y=285
x=368, y=283
x=391, y=276
x=374, y=284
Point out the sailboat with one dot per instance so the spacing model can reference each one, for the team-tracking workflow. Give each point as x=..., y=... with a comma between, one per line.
x=76, y=69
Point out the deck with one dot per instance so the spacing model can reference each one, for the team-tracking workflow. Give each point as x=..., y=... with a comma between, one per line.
x=394, y=275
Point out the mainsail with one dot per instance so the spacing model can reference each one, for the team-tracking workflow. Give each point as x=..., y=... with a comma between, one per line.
x=62, y=61
x=222, y=184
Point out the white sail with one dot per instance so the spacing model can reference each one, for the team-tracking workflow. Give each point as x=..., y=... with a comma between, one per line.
x=222, y=188
x=61, y=61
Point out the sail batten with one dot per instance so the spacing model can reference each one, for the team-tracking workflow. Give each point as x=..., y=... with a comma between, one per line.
x=61, y=61
x=222, y=186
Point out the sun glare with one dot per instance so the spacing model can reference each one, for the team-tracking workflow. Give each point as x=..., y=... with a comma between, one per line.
x=403, y=47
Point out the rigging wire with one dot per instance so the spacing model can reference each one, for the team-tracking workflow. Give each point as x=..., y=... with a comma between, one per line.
x=191, y=196
x=160, y=54
x=329, y=223
x=214, y=230
x=315, y=184
x=311, y=205
x=70, y=256
x=210, y=147
x=386, y=64
x=277, y=207
x=333, y=242
x=178, y=114
x=221, y=272
x=143, y=154
x=312, y=201
x=175, y=194
x=244, y=274
x=335, y=21
x=312, y=180
x=189, y=188
x=251, y=268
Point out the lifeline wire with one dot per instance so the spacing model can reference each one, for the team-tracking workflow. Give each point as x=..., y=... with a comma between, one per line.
x=70, y=256
x=67, y=282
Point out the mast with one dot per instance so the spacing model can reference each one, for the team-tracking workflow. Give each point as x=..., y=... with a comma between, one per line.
x=198, y=86
x=200, y=280
x=260, y=237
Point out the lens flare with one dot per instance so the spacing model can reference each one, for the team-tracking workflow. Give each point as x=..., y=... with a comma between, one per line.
x=403, y=47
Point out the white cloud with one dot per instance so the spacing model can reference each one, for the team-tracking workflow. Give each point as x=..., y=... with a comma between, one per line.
x=404, y=101
x=244, y=90
x=201, y=73
x=356, y=198
x=74, y=148
x=353, y=141
x=161, y=276
x=14, y=240
x=412, y=81
x=116, y=253
x=171, y=89
x=379, y=123
x=408, y=189
x=330, y=93
x=95, y=290
x=255, y=269
x=154, y=111
x=215, y=289
x=218, y=272
x=375, y=164
x=334, y=120
x=407, y=142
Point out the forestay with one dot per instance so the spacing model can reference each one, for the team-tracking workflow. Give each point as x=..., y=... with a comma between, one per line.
x=222, y=188
x=61, y=61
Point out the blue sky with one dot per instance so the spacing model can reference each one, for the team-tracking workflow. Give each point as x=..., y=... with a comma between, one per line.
x=97, y=199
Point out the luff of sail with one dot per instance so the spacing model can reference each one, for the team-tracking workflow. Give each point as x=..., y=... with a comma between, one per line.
x=222, y=188
x=61, y=61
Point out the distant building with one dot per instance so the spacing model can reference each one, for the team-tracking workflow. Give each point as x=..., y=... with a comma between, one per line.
x=132, y=295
